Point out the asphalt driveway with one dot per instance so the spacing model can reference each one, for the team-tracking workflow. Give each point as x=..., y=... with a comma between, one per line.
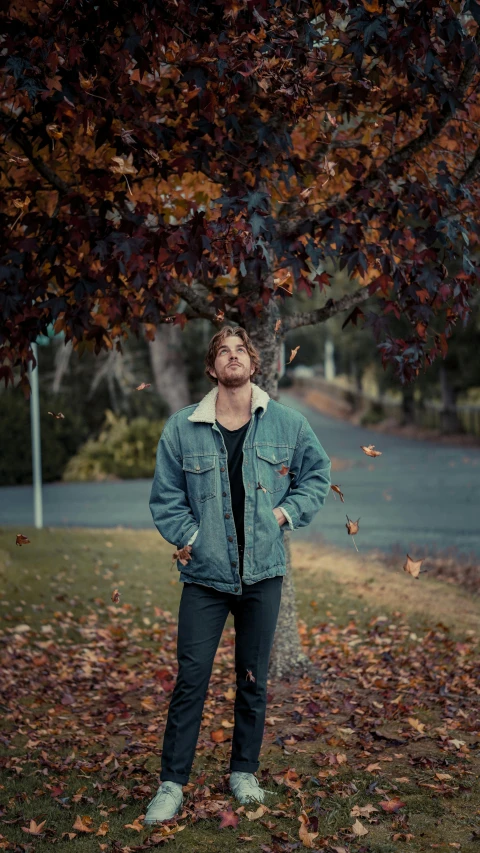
x=416, y=495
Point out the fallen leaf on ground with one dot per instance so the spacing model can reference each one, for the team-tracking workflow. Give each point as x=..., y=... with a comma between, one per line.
x=358, y=828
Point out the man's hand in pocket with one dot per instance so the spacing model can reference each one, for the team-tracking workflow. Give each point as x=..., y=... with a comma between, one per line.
x=281, y=518
x=183, y=555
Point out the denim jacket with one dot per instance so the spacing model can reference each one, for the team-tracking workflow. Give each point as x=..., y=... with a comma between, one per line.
x=190, y=499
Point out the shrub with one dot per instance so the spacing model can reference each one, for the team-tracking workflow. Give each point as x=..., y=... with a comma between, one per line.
x=60, y=438
x=122, y=450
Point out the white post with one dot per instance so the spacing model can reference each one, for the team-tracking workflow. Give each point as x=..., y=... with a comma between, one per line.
x=36, y=444
x=329, y=369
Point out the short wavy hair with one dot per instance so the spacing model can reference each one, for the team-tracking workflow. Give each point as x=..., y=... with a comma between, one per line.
x=217, y=340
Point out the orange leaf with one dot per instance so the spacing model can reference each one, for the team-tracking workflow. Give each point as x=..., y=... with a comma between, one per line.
x=34, y=828
x=83, y=823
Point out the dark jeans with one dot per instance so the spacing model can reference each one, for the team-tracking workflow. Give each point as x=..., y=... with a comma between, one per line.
x=202, y=615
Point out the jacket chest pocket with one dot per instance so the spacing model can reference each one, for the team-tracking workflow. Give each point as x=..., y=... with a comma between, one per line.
x=270, y=461
x=200, y=476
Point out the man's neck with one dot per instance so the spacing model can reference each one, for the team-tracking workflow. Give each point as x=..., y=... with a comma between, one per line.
x=234, y=402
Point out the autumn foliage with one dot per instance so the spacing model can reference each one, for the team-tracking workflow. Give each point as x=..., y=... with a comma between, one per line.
x=242, y=154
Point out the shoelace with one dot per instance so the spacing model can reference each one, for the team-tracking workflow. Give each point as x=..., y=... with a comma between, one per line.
x=160, y=794
x=265, y=791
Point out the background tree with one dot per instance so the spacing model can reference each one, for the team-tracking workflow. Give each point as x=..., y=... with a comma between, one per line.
x=227, y=161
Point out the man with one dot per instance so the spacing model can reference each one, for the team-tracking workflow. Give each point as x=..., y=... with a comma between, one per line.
x=230, y=472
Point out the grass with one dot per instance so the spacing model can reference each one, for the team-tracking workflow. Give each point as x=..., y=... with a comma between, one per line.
x=86, y=685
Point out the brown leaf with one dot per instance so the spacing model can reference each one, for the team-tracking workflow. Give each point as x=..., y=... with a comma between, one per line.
x=22, y=540
x=412, y=566
x=370, y=451
x=59, y=415
x=34, y=828
x=293, y=353
x=305, y=836
x=358, y=828
x=284, y=470
x=142, y=386
x=372, y=6
x=103, y=828
x=229, y=818
x=218, y=736
x=352, y=526
x=392, y=805
x=115, y=596
x=83, y=823
x=337, y=490
x=135, y=825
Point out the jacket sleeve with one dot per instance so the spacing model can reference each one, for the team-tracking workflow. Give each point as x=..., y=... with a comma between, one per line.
x=311, y=484
x=171, y=511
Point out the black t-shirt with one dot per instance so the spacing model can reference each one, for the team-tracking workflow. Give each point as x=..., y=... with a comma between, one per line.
x=234, y=439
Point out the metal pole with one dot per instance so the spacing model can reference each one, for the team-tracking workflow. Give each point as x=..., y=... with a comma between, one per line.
x=36, y=444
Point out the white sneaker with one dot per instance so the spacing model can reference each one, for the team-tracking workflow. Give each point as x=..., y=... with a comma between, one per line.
x=165, y=804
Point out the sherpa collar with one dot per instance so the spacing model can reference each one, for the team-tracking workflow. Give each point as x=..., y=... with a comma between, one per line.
x=205, y=410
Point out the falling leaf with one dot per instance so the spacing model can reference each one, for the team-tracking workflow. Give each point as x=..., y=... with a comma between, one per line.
x=219, y=315
x=358, y=828
x=59, y=415
x=142, y=386
x=22, y=540
x=261, y=487
x=250, y=676
x=34, y=828
x=293, y=353
x=352, y=528
x=277, y=325
x=337, y=490
x=115, y=596
x=413, y=566
x=370, y=451
x=283, y=470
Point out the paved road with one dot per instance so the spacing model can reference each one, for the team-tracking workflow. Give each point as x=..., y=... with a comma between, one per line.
x=416, y=495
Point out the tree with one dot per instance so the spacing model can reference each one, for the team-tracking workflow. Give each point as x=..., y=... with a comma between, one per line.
x=227, y=161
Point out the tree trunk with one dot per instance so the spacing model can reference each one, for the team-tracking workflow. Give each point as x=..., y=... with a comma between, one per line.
x=168, y=367
x=408, y=405
x=288, y=660
x=62, y=360
x=449, y=420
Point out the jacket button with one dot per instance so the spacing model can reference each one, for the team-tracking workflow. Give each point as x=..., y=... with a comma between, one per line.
x=234, y=563
x=230, y=538
x=222, y=468
x=227, y=515
x=224, y=494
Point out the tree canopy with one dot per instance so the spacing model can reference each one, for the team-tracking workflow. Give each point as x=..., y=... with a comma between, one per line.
x=230, y=153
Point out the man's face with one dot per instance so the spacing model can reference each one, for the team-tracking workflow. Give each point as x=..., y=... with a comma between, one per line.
x=232, y=364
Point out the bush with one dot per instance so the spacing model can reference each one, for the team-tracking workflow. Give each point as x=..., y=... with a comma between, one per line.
x=60, y=438
x=122, y=450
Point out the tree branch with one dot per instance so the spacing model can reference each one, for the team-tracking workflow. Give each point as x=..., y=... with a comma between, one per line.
x=415, y=145
x=44, y=169
x=198, y=304
x=311, y=318
x=472, y=171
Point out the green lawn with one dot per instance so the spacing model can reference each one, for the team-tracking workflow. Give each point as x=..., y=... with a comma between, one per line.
x=85, y=686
